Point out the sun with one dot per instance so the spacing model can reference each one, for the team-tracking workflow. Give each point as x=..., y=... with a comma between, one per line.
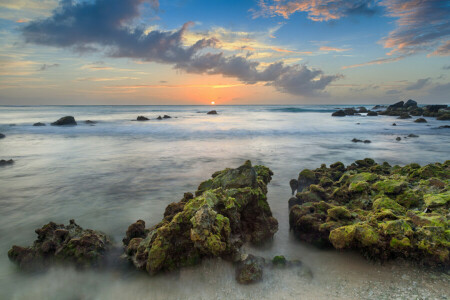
x=213, y=103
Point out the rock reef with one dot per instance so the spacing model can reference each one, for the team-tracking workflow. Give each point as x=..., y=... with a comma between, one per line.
x=64, y=121
x=227, y=210
x=382, y=211
x=59, y=243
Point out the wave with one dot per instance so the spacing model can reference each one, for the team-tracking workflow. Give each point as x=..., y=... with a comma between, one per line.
x=300, y=110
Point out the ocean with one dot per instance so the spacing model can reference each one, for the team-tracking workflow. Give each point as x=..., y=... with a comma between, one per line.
x=109, y=175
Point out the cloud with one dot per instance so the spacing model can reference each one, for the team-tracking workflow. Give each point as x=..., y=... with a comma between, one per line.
x=392, y=92
x=105, y=26
x=325, y=48
x=378, y=61
x=317, y=10
x=45, y=67
x=442, y=50
x=421, y=25
x=418, y=84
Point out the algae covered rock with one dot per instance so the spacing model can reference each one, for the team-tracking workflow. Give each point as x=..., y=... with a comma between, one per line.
x=60, y=243
x=384, y=212
x=228, y=210
x=250, y=269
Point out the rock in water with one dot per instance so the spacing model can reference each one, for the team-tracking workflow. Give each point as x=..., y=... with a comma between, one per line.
x=68, y=120
x=404, y=116
x=38, y=124
x=420, y=120
x=59, y=243
x=384, y=212
x=6, y=162
x=396, y=105
x=2, y=136
x=372, y=113
x=90, y=122
x=167, y=117
x=250, y=269
x=398, y=138
x=212, y=112
x=159, y=118
x=142, y=118
x=294, y=185
x=410, y=103
x=339, y=113
x=228, y=210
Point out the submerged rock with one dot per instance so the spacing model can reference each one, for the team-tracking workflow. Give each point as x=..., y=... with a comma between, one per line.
x=420, y=120
x=90, y=122
x=59, y=243
x=384, y=212
x=6, y=162
x=398, y=138
x=159, y=118
x=228, y=210
x=142, y=118
x=250, y=269
x=294, y=185
x=67, y=120
x=404, y=116
x=2, y=136
x=39, y=124
x=412, y=135
x=212, y=112
x=167, y=117
x=355, y=140
x=372, y=113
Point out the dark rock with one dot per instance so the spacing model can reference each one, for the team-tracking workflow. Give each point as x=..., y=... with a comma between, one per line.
x=228, y=210
x=372, y=113
x=443, y=127
x=142, y=118
x=398, y=138
x=90, y=122
x=250, y=269
x=64, y=121
x=435, y=108
x=410, y=103
x=294, y=185
x=59, y=243
x=159, y=118
x=2, y=136
x=39, y=124
x=367, y=141
x=350, y=111
x=404, y=116
x=393, y=124
x=444, y=117
x=212, y=112
x=6, y=162
x=396, y=105
x=355, y=140
x=167, y=117
x=294, y=201
x=379, y=107
x=135, y=230
x=412, y=135
x=339, y=113
x=362, y=109
x=420, y=120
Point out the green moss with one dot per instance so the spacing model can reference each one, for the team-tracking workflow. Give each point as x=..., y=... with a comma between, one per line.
x=398, y=228
x=358, y=187
x=434, y=200
x=279, y=260
x=364, y=176
x=339, y=212
x=397, y=243
x=343, y=237
x=366, y=235
x=307, y=174
x=390, y=186
x=409, y=198
x=387, y=203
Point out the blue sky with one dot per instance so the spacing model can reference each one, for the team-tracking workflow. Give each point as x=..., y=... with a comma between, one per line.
x=230, y=52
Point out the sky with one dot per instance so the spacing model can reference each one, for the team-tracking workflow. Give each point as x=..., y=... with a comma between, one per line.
x=232, y=52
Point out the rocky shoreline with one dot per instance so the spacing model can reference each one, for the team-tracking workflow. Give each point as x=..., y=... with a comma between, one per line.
x=382, y=211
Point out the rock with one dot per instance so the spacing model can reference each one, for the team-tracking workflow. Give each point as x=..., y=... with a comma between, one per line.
x=396, y=105
x=250, y=269
x=404, y=116
x=279, y=261
x=378, y=107
x=410, y=103
x=212, y=112
x=294, y=185
x=372, y=113
x=228, y=210
x=420, y=120
x=444, y=117
x=166, y=117
x=6, y=162
x=64, y=121
x=381, y=211
x=159, y=118
x=362, y=109
x=443, y=127
x=339, y=113
x=90, y=122
x=367, y=141
x=59, y=243
x=398, y=138
x=142, y=118
x=355, y=140
x=412, y=135
x=39, y=124
x=350, y=111
x=393, y=124
x=435, y=108
x=2, y=136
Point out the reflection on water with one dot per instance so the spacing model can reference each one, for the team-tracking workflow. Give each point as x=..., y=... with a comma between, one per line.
x=109, y=175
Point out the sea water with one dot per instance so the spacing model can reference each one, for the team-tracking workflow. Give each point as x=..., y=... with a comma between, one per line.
x=109, y=175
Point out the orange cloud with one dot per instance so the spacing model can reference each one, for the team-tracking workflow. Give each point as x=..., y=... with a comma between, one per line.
x=376, y=62
x=325, y=48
